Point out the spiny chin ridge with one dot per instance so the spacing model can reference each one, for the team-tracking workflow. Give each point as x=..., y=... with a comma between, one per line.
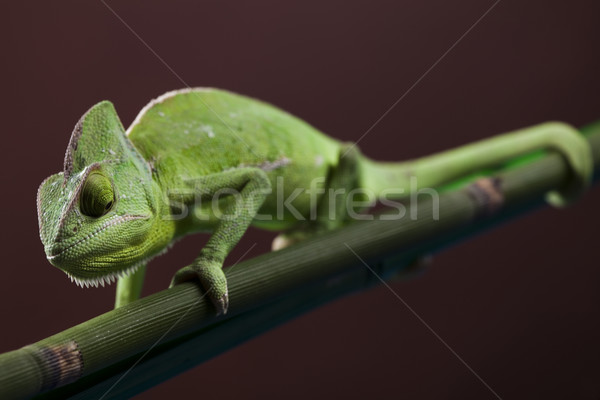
x=104, y=279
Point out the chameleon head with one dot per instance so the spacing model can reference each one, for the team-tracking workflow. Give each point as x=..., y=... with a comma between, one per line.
x=97, y=217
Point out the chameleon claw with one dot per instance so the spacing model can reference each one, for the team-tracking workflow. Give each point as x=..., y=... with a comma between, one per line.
x=211, y=278
x=221, y=304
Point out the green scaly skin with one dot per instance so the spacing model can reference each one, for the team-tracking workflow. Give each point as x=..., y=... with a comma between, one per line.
x=125, y=196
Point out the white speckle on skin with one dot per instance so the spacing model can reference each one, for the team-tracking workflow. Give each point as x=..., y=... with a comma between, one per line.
x=271, y=165
x=265, y=165
x=319, y=160
x=209, y=131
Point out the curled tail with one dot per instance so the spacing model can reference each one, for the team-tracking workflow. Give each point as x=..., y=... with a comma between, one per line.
x=452, y=165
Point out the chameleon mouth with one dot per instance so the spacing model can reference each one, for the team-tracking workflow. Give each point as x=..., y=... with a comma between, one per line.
x=106, y=279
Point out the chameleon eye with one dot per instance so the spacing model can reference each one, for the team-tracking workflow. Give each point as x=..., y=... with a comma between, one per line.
x=97, y=195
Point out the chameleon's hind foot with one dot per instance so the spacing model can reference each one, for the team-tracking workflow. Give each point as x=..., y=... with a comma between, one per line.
x=213, y=280
x=283, y=240
x=287, y=239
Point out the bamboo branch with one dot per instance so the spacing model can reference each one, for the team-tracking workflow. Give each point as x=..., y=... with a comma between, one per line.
x=179, y=327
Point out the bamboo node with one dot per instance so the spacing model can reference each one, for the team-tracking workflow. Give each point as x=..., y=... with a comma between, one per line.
x=63, y=364
x=487, y=194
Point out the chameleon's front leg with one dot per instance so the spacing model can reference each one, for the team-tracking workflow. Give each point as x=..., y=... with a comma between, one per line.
x=129, y=288
x=250, y=186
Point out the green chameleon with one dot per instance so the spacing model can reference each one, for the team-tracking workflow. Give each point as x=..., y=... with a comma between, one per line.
x=211, y=160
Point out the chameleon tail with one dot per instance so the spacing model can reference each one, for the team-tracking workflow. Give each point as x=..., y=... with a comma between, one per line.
x=451, y=165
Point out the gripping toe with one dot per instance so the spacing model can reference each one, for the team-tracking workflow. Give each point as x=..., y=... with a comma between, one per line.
x=213, y=281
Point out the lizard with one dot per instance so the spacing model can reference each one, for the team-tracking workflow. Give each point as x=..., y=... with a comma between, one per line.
x=210, y=160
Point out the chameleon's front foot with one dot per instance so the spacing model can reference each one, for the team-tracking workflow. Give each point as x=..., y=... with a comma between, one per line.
x=211, y=278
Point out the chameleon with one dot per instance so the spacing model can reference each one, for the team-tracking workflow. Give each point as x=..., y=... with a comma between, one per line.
x=210, y=160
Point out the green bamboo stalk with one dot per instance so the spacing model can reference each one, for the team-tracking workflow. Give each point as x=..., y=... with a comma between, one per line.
x=266, y=290
x=174, y=357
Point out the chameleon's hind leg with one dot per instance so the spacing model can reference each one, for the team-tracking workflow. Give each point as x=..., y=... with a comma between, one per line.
x=129, y=288
x=333, y=209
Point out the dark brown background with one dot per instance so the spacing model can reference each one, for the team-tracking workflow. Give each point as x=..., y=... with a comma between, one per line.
x=520, y=304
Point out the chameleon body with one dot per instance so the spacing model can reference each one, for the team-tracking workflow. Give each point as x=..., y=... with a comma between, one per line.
x=214, y=161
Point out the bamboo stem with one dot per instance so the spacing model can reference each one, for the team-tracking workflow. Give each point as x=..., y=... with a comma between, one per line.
x=179, y=324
